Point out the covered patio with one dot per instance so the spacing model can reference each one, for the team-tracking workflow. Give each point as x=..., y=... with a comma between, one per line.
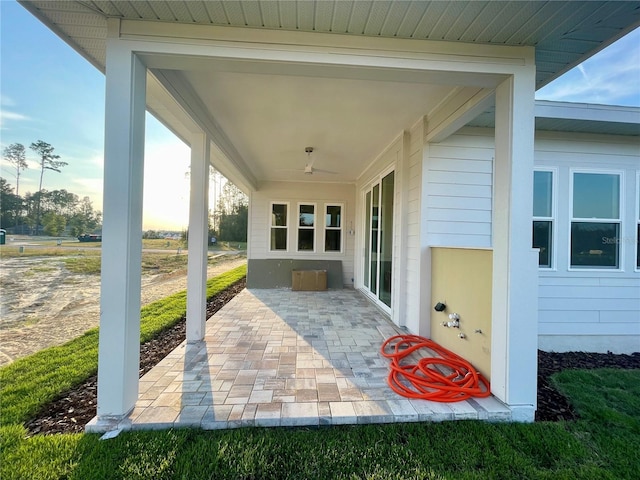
x=375, y=92
x=283, y=358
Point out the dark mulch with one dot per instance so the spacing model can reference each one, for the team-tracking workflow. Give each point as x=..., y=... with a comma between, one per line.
x=70, y=413
x=553, y=406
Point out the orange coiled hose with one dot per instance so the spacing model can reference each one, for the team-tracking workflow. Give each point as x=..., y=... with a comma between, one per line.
x=424, y=380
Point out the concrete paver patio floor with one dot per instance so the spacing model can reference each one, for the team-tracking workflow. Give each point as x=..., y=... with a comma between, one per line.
x=285, y=358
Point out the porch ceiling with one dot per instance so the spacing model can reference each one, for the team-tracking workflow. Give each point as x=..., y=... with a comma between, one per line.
x=564, y=33
x=269, y=113
x=270, y=119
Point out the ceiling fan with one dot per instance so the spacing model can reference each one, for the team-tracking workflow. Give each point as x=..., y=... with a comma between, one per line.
x=308, y=168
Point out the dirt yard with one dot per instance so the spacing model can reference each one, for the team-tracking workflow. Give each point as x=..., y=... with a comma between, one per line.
x=42, y=304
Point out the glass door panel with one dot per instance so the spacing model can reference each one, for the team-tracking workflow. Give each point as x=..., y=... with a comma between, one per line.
x=378, y=238
x=367, y=237
x=374, y=239
x=386, y=240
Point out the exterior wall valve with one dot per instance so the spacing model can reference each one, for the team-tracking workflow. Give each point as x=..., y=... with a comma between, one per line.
x=454, y=321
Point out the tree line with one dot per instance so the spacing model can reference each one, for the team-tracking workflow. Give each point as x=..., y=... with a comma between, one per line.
x=51, y=212
x=228, y=221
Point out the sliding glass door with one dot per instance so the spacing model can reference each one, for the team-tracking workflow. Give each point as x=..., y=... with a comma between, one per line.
x=378, y=238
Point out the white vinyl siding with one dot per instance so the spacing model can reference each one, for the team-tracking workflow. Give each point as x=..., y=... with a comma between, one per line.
x=578, y=308
x=459, y=189
x=589, y=309
x=412, y=281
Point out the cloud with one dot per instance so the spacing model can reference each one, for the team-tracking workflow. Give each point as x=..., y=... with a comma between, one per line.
x=6, y=115
x=610, y=77
x=6, y=101
x=9, y=115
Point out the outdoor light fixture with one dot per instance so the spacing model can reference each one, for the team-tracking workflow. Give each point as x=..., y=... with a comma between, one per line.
x=440, y=307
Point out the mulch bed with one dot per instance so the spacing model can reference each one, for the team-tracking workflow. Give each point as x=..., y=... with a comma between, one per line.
x=70, y=413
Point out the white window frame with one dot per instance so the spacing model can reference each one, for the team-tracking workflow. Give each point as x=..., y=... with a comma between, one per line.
x=272, y=226
x=552, y=218
x=326, y=227
x=314, y=229
x=619, y=220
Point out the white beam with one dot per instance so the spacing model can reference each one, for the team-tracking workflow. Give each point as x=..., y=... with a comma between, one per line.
x=119, y=352
x=185, y=96
x=198, y=238
x=454, y=112
x=515, y=276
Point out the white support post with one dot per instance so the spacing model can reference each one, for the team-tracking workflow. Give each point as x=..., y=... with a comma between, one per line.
x=119, y=344
x=515, y=276
x=198, y=238
x=424, y=276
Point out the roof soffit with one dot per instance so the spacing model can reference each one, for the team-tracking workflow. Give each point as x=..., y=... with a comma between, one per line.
x=564, y=33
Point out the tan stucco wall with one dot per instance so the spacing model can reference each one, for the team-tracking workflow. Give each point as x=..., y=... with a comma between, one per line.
x=461, y=278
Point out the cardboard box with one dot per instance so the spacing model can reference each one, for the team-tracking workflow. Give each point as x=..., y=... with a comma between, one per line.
x=309, y=280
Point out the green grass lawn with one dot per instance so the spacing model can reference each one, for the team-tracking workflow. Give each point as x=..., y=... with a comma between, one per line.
x=604, y=444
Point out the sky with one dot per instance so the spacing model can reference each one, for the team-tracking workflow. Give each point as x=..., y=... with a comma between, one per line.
x=49, y=92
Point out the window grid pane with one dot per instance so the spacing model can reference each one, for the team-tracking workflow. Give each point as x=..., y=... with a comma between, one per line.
x=307, y=217
x=278, y=239
x=542, y=239
x=595, y=244
x=596, y=195
x=332, y=240
x=333, y=217
x=279, y=215
x=542, y=194
x=305, y=239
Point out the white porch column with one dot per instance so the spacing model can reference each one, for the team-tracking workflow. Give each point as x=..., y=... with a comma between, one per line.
x=198, y=238
x=119, y=345
x=515, y=275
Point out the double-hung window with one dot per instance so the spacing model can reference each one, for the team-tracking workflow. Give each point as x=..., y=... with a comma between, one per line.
x=306, y=227
x=279, y=226
x=595, y=220
x=543, y=216
x=333, y=228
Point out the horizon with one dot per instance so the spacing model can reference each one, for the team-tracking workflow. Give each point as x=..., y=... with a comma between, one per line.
x=31, y=106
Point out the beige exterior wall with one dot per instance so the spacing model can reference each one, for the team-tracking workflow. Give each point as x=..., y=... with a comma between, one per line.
x=461, y=278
